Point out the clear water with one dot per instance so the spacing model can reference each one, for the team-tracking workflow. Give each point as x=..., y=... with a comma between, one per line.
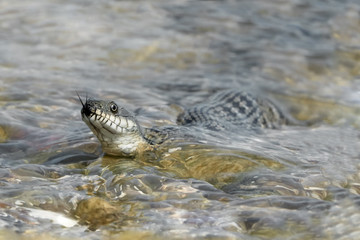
x=155, y=58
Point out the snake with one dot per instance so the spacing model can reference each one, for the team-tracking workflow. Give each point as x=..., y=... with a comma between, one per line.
x=120, y=133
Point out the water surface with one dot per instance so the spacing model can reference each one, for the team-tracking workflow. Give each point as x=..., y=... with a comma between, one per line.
x=155, y=58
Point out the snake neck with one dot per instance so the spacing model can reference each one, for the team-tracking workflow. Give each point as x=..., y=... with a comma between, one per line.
x=133, y=143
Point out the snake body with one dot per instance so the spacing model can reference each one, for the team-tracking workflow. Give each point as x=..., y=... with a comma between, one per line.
x=120, y=133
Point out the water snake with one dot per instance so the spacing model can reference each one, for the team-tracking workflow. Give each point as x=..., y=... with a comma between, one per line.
x=120, y=133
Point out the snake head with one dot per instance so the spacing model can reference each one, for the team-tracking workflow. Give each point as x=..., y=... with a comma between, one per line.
x=115, y=127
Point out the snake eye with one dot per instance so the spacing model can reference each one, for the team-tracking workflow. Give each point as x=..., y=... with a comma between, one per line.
x=114, y=108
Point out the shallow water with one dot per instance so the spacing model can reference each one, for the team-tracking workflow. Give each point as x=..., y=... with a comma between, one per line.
x=155, y=58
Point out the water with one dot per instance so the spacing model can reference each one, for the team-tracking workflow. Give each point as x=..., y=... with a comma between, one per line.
x=155, y=58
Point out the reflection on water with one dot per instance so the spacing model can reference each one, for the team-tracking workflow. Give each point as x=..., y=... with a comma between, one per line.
x=155, y=58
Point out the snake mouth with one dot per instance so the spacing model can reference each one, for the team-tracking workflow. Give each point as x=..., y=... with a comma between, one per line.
x=98, y=121
x=106, y=120
x=102, y=123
